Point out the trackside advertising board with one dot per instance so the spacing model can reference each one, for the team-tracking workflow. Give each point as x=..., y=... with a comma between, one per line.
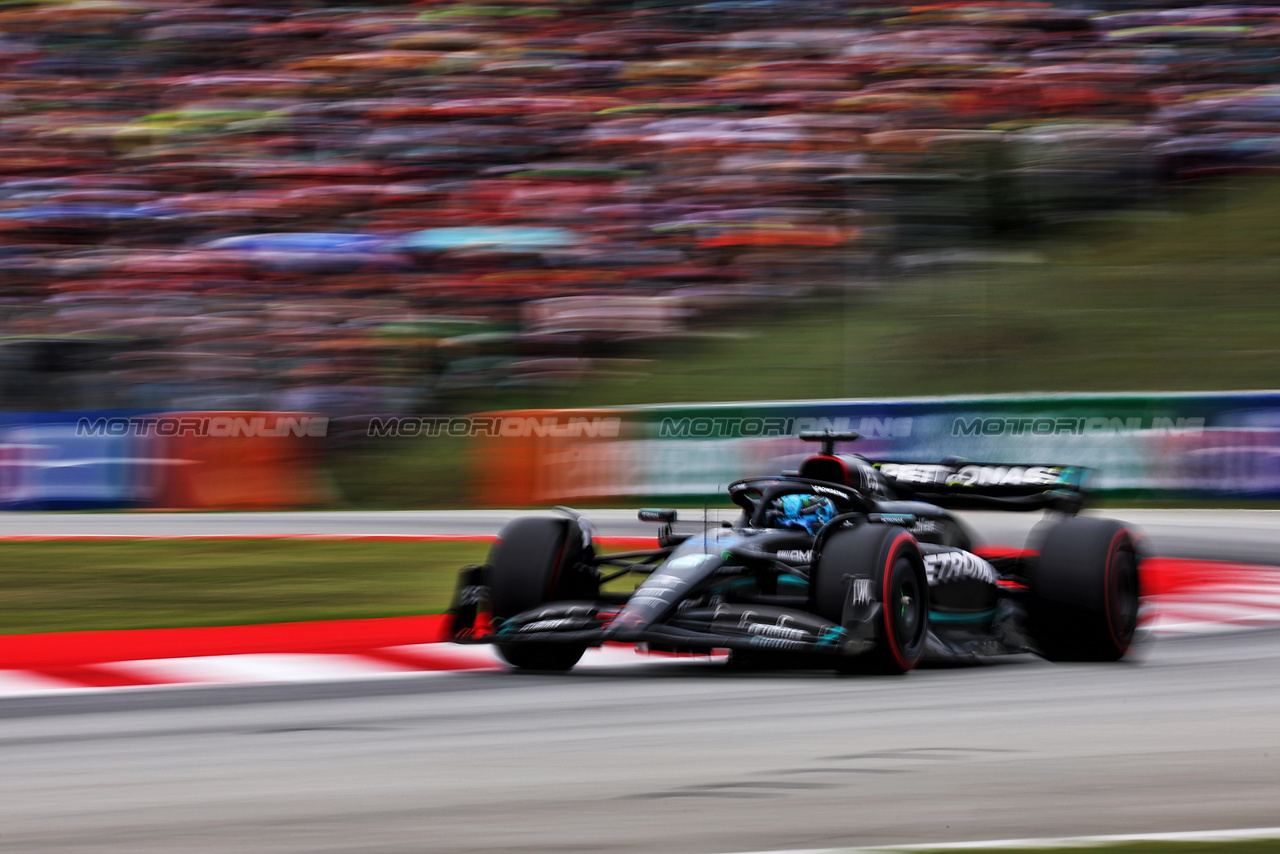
x=1219, y=445
x=179, y=460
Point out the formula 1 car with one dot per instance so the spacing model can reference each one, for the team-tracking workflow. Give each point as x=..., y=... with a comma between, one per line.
x=847, y=563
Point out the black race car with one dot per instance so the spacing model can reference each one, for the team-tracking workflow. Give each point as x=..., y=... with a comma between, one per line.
x=847, y=563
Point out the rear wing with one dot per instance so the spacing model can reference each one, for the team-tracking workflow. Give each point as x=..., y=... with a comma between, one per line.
x=987, y=486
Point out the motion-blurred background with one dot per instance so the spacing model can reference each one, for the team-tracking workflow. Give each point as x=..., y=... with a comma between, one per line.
x=367, y=210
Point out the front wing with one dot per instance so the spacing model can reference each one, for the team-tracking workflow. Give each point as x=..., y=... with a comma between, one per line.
x=695, y=628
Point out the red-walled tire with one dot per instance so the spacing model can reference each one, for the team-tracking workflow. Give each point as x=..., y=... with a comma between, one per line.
x=534, y=561
x=889, y=556
x=1085, y=590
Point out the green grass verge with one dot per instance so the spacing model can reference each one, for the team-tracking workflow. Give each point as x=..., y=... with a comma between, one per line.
x=138, y=584
x=60, y=586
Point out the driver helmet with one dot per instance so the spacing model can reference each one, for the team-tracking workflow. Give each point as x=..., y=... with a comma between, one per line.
x=806, y=512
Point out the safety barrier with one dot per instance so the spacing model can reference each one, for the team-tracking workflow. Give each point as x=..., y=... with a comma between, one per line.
x=1223, y=445
x=1212, y=445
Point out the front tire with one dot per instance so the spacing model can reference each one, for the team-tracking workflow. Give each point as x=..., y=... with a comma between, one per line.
x=537, y=560
x=544, y=658
x=1085, y=591
x=889, y=557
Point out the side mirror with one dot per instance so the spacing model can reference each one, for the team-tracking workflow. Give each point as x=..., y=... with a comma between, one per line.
x=666, y=517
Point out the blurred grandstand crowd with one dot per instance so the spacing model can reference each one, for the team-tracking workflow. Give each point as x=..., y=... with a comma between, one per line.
x=361, y=207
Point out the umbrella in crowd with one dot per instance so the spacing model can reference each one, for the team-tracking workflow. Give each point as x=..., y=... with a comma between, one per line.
x=501, y=239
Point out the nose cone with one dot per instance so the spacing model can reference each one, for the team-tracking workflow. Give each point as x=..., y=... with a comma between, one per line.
x=625, y=628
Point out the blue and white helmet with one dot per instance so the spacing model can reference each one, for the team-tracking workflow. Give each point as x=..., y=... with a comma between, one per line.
x=805, y=512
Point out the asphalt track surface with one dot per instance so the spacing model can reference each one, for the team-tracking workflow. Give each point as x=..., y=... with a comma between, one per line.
x=680, y=756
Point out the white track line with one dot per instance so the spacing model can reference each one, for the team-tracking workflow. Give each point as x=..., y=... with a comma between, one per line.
x=21, y=683
x=467, y=656
x=1234, y=835
x=257, y=668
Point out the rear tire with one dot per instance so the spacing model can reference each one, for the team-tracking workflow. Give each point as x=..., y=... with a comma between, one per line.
x=889, y=556
x=534, y=561
x=1085, y=591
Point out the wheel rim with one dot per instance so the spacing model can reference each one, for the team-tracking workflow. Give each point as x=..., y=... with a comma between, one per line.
x=908, y=607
